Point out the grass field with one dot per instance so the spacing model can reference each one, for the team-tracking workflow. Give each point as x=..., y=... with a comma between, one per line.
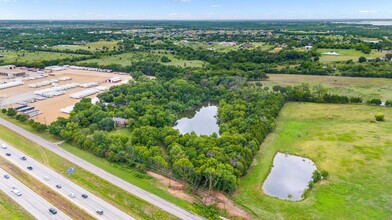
x=93, y=46
x=220, y=48
x=9, y=209
x=100, y=187
x=345, y=55
x=29, y=57
x=367, y=88
x=127, y=59
x=339, y=139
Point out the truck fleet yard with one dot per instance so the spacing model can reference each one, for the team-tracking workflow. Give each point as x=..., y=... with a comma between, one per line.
x=43, y=95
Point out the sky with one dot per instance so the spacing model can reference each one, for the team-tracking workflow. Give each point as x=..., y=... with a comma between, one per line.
x=194, y=9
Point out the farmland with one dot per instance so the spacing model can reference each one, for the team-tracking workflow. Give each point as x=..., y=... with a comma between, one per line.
x=344, y=55
x=341, y=140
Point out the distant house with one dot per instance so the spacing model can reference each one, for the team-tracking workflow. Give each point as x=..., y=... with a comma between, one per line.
x=120, y=122
x=247, y=45
x=227, y=43
x=308, y=47
x=1, y=55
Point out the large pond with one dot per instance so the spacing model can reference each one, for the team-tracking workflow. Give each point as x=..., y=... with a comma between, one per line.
x=204, y=122
x=289, y=177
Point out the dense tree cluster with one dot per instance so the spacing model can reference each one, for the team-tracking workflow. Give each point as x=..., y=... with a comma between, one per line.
x=246, y=115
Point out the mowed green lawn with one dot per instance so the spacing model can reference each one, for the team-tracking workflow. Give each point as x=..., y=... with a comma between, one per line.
x=341, y=140
x=345, y=55
x=29, y=57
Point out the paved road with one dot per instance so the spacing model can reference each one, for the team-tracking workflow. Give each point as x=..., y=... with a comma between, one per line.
x=51, y=178
x=151, y=198
x=29, y=200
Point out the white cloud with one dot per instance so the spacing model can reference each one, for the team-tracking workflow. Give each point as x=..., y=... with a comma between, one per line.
x=216, y=6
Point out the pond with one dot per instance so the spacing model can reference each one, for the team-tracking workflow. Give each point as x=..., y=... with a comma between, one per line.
x=204, y=122
x=289, y=177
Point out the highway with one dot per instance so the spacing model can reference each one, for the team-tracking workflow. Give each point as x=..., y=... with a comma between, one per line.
x=51, y=178
x=142, y=194
x=29, y=200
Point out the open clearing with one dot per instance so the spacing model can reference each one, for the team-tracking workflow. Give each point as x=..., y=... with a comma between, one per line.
x=366, y=88
x=51, y=106
x=93, y=46
x=339, y=139
x=345, y=55
x=31, y=57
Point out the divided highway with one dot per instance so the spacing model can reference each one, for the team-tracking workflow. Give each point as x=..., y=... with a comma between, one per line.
x=151, y=198
x=29, y=200
x=62, y=185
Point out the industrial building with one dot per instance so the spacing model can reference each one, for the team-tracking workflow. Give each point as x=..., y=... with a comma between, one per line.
x=12, y=71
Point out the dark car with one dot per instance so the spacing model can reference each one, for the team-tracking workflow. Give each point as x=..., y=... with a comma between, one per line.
x=99, y=211
x=6, y=176
x=85, y=196
x=23, y=158
x=53, y=211
x=8, y=154
x=58, y=186
x=29, y=167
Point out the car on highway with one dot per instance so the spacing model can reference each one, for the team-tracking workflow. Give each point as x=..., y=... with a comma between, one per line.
x=72, y=195
x=16, y=191
x=58, y=186
x=23, y=158
x=99, y=212
x=85, y=196
x=30, y=168
x=46, y=178
x=3, y=146
x=6, y=176
x=8, y=154
x=53, y=211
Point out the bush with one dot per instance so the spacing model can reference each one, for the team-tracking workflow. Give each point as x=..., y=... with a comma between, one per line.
x=379, y=117
x=362, y=59
x=4, y=111
x=374, y=102
x=11, y=112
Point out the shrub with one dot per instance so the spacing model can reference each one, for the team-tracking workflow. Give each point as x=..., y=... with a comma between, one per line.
x=374, y=102
x=379, y=117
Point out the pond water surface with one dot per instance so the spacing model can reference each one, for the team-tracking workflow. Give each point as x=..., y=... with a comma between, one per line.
x=289, y=177
x=204, y=122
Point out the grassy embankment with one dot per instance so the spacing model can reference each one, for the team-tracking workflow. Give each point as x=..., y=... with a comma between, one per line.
x=340, y=139
x=9, y=209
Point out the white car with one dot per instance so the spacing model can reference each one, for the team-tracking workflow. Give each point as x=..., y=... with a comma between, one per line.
x=16, y=191
x=72, y=195
x=46, y=178
x=3, y=146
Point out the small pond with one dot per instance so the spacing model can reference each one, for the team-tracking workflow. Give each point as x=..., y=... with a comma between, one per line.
x=289, y=177
x=204, y=122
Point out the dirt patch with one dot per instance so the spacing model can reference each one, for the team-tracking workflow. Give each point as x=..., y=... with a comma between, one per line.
x=221, y=201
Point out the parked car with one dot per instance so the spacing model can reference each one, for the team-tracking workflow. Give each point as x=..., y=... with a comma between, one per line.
x=99, y=211
x=53, y=211
x=16, y=191
x=72, y=195
x=30, y=168
x=8, y=154
x=23, y=158
x=6, y=176
x=3, y=146
x=85, y=196
x=58, y=186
